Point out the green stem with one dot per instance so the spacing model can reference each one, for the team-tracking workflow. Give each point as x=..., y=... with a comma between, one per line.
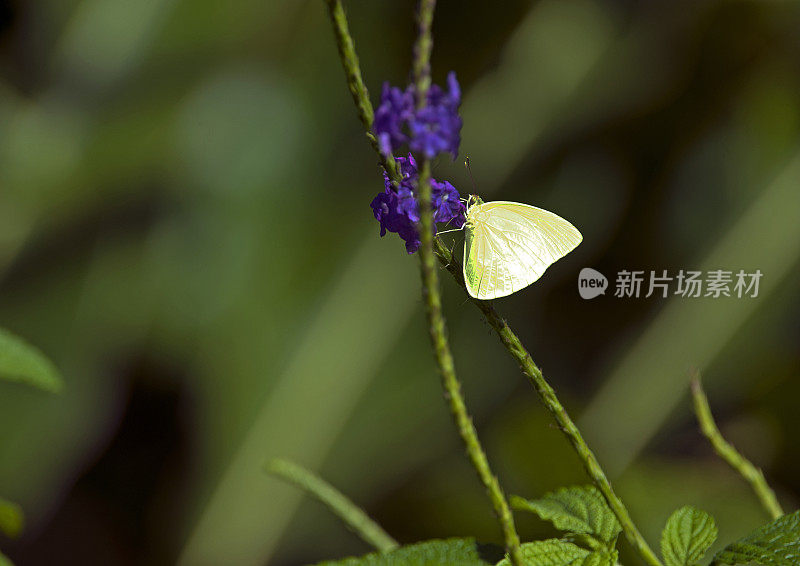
x=444, y=360
x=421, y=66
x=352, y=69
x=358, y=521
x=433, y=302
x=547, y=394
x=727, y=452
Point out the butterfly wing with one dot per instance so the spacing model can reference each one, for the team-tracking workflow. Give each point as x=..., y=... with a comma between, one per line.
x=474, y=259
x=511, y=247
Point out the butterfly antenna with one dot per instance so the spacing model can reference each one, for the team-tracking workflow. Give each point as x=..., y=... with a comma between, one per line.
x=471, y=178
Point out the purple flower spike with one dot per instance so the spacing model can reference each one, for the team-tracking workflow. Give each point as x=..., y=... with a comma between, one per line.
x=396, y=208
x=434, y=129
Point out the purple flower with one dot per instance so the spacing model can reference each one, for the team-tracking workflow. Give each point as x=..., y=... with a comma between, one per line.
x=408, y=166
x=447, y=204
x=394, y=111
x=433, y=129
x=407, y=202
x=393, y=217
x=396, y=208
x=436, y=128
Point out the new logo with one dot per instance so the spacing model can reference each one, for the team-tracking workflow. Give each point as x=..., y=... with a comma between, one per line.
x=591, y=283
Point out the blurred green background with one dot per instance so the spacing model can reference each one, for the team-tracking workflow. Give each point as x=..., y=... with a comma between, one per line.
x=185, y=229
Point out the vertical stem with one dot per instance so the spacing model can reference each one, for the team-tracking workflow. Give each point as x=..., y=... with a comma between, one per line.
x=421, y=67
x=753, y=475
x=444, y=360
x=358, y=521
x=433, y=302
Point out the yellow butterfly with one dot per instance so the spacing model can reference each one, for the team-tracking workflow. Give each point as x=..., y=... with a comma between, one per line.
x=509, y=245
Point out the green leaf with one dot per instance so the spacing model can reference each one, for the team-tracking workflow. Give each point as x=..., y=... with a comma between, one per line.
x=555, y=552
x=11, y=518
x=604, y=558
x=19, y=361
x=461, y=551
x=775, y=544
x=686, y=537
x=575, y=509
x=4, y=561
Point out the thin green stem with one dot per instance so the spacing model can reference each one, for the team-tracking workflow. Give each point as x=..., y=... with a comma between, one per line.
x=433, y=302
x=753, y=475
x=421, y=66
x=444, y=360
x=514, y=346
x=358, y=521
x=352, y=69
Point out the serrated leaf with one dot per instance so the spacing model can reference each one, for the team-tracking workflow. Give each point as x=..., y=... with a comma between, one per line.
x=555, y=552
x=19, y=361
x=687, y=535
x=601, y=559
x=587, y=541
x=11, y=518
x=462, y=551
x=575, y=509
x=775, y=544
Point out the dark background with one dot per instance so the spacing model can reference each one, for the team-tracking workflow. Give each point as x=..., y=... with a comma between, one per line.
x=185, y=229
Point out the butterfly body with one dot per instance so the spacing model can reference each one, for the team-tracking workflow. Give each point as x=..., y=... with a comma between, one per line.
x=509, y=245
